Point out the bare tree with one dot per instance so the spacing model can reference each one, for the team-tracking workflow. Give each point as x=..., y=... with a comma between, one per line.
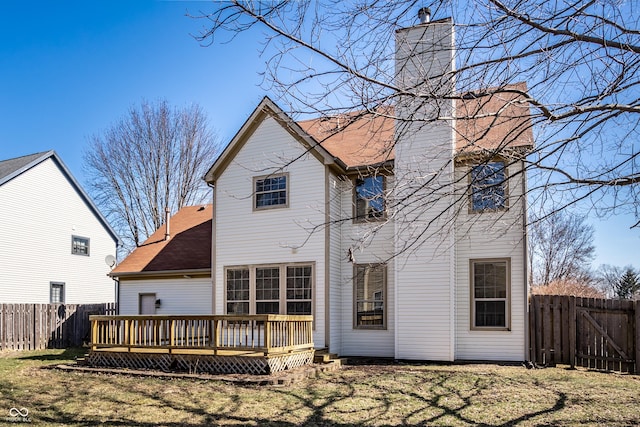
x=576, y=288
x=580, y=60
x=560, y=249
x=151, y=159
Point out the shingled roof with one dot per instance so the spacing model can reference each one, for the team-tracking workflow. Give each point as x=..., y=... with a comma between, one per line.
x=485, y=123
x=12, y=167
x=187, y=249
x=357, y=139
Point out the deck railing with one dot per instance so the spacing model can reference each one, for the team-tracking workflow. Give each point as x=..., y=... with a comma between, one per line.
x=267, y=334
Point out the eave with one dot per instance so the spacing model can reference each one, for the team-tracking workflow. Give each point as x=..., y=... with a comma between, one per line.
x=133, y=275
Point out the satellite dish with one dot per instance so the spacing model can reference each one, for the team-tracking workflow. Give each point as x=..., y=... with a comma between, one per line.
x=110, y=260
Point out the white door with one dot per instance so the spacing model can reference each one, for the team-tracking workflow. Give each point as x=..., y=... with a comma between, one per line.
x=147, y=303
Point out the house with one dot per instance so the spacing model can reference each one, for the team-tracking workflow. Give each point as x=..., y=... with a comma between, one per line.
x=171, y=271
x=53, y=239
x=322, y=217
x=402, y=238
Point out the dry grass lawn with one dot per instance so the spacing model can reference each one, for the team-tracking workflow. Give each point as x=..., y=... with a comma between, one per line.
x=363, y=395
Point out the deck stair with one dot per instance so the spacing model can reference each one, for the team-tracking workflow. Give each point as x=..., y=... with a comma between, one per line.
x=322, y=356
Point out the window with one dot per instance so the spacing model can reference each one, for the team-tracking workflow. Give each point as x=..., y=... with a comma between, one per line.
x=488, y=189
x=272, y=289
x=490, y=294
x=369, y=198
x=370, y=284
x=56, y=292
x=299, y=290
x=79, y=245
x=267, y=290
x=271, y=191
x=238, y=291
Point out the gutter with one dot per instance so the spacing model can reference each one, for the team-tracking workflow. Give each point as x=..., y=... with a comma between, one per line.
x=199, y=272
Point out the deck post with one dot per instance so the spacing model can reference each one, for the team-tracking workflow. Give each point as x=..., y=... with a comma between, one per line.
x=94, y=333
x=131, y=335
x=216, y=337
x=267, y=336
x=127, y=334
x=172, y=333
x=290, y=327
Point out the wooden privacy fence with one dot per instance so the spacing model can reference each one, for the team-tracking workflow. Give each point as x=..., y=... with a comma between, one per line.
x=601, y=334
x=40, y=326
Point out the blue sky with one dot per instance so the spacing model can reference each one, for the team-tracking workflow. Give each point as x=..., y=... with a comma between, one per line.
x=69, y=69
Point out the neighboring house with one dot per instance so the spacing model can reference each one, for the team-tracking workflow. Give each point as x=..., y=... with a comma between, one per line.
x=53, y=239
x=322, y=217
x=171, y=271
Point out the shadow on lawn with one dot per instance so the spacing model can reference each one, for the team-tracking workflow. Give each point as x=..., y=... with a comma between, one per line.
x=428, y=407
x=69, y=354
x=402, y=397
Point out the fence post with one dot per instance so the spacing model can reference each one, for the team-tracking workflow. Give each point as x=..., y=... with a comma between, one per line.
x=572, y=331
x=636, y=309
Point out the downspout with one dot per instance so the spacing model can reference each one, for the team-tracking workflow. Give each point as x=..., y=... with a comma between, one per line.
x=213, y=247
x=526, y=261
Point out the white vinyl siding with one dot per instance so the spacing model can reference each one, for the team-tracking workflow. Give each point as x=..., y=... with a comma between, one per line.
x=245, y=236
x=41, y=211
x=336, y=255
x=492, y=235
x=424, y=170
x=177, y=295
x=370, y=243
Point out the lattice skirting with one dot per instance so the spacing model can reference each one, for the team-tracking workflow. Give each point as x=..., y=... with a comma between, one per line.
x=258, y=365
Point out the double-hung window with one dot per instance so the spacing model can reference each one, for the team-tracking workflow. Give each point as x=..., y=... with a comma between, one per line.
x=369, y=198
x=488, y=187
x=370, y=283
x=267, y=290
x=237, y=291
x=299, y=289
x=270, y=289
x=490, y=287
x=271, y=191
x=80, y=245
x=56, y=293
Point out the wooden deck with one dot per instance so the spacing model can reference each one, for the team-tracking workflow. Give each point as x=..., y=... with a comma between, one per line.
x=257, y=344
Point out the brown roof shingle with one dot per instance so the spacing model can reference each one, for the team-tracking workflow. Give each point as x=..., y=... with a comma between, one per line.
x=189, y=247
x=494, y=122
x=484, y=123
x=356, y=139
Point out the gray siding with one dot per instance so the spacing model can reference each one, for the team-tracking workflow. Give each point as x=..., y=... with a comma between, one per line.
x=177, y=295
